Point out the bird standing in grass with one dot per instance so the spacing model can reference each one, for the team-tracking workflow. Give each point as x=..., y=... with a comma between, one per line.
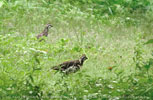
x=45, y=32
x=71, y=66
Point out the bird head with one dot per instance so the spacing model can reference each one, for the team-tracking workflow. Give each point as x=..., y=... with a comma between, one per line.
x=84, y=57
x=49, y=25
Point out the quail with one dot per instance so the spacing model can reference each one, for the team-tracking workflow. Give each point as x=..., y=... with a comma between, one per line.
x=45, y=32
x=71, y=66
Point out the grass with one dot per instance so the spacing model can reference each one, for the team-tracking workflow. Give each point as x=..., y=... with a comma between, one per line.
x=114, y=42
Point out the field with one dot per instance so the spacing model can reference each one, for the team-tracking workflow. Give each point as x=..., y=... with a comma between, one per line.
x=119, y=65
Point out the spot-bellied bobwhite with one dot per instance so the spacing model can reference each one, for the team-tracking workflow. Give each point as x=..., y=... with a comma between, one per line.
x=71, y=66
x=45, y=32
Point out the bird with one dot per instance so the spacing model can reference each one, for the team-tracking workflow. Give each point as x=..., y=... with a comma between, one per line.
x=70, y=66
x=45, y=32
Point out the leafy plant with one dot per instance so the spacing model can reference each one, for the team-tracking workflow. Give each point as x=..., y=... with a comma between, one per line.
x=138, y=52
x=148, y=66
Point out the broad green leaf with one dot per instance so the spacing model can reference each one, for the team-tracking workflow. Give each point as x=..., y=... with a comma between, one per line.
x=149, y=41
x=147, y=66
x=1, y=3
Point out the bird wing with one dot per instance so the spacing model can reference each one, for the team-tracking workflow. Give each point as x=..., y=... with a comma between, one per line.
x=67, y=64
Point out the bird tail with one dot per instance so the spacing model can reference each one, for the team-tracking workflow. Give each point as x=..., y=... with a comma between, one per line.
x=55, y=68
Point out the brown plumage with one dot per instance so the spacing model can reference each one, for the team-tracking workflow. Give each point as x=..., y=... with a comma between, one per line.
x=71, y=66
x=45, y=32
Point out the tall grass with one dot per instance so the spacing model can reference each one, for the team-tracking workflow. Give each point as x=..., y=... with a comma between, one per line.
x=114, y=42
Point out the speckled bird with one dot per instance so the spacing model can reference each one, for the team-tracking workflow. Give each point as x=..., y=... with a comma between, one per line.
x=71, y=66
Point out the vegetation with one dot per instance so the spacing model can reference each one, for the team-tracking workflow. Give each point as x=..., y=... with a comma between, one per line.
x=116, y=36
